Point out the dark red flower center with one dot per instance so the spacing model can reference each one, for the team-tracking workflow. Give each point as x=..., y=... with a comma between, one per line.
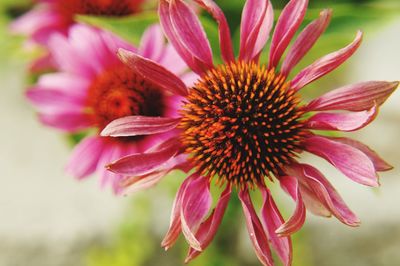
x=119, y=92
x=241, y=123
x=100, y=7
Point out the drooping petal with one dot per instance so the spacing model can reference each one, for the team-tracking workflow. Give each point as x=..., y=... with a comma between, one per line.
x=139, y=125
x=325, y=64
x=288, y=23
x=379, y=163
x=316, y=183
x=223, y=27
x=256, y=25
x=196, y=203
x=190, y=31
x=350, y=161
x=306, y=40
x=255, y=229
x=152, y=43
x=175, y=221
x=171, y=60
x=209, y=227
x=341, y=121
x=89, y=149
x=145, y=163
x=71, y=121
x=357, y=97
x=194, y=63
x=296, y=221
x=153, y=72
x=272, y=221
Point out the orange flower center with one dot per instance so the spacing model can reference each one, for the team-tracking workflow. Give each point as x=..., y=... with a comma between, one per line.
x=241, y=123
x=119, y=92
x=100, y=7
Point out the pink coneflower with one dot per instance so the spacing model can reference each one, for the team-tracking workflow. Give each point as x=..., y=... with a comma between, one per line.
x=50, y=16
x=243, y=125
x=93, y=87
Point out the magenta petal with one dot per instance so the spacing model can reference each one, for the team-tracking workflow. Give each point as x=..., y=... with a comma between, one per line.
x=350, y=161
x=223, y=27
x=175, y=222
x=153, y=72
x=379, y=163
x=152, y=43
x=272, y=220
x=84, y=158
x=54, y=100
x=145, y=163
x=190, y=31
x=306, y=40
x=209, y=227
x=288, y=23
x=66, y=121
x=165, y=19
x=357, y=97
x=296, y=221
x=139, y=125
x=317, y=184
x=325, y=64
x=342, y=121
x=196, y=203
x=256, y=25
x=255, y=229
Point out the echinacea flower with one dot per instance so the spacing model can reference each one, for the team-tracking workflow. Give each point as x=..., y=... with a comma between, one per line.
x=93, y=87
x=50, y=16
x=244, y=124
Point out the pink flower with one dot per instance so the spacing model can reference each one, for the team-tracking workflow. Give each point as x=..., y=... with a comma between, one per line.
x=93, y=87
x=51, y=16
x=244, y=124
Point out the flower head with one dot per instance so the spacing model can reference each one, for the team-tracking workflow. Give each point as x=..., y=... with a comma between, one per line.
x=244, y=124
x=93, y=87
x=51, y=16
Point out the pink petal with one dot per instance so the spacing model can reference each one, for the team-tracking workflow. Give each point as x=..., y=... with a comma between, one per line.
x=189, y=29
x=317, y=184
x=71, y=84
x=71, y=121
x=145, y=163
x=153, y=72
x=256, y=25
x=152, y=43
x=357, y=97
x=139, y=125
x=54, y=101
x=192, y=61
x=288, y=23
x=209, y=227
x=325, y=64
x=42, y=64
x=171, y=60
x=342, y=121
x=85, y=156
x=223, y=27
x=379, y=163
x=196, y=203
x=350, y=161
x=305, y=41
x=175, y=222
x=272, y=220
x=296, y=221
x=256, y=231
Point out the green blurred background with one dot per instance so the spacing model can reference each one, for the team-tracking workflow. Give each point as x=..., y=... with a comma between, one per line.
x=50, y=219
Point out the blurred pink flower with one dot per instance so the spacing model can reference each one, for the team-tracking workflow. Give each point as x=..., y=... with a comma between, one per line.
x=93, y=87
x=243, y=124
x=51, y=16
